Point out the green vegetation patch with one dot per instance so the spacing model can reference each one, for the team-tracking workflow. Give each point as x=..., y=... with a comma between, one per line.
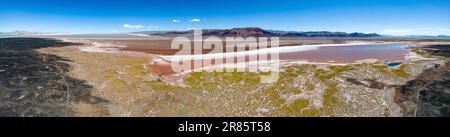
x=333, y=71
x=162, y=86
x=211, y=80
x=399, y=72
x=419, y=51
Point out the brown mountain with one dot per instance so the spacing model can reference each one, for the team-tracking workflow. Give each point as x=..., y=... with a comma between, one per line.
x=239, y=32
x=257, y=32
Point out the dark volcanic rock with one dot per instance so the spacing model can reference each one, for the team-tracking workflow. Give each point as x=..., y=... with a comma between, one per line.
x=428, y=95
x=34, y=84
x=370, y=83
x=438, y=50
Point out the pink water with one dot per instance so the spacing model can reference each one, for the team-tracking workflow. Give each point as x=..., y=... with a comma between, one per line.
x=350, y=54
x=322, y=54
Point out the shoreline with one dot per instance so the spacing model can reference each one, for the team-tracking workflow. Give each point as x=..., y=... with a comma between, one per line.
x=115, y=48
x=116, y=74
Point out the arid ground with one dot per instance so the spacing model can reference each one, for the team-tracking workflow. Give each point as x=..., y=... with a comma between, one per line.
x=115, y=80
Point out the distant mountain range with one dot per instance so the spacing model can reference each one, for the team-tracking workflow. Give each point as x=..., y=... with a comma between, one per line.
x=257, y=32
x=419, y=36
x=426, y=36
x=234, y=32
x=25, y=33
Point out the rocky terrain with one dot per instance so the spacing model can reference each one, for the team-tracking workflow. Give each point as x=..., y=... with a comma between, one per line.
x=428, y=94
x=35, y=84
x=46, y=77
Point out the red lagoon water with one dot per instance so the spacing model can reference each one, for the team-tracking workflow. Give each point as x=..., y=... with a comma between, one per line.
x=350, y=53
x=344, y=53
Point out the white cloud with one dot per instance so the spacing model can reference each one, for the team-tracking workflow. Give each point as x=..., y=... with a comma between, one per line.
x=195, y=20
x=191, y=28
x=418, y=31
x=176, y=21
x=128, y=26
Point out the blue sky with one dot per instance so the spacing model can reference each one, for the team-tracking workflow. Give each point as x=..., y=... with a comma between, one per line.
x=395, y=17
